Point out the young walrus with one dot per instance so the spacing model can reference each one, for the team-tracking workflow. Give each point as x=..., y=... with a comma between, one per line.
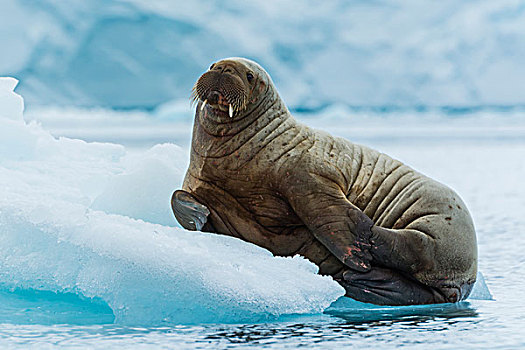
x=388, y=234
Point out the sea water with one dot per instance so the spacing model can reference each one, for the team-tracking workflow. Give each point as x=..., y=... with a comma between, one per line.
x=90, y=256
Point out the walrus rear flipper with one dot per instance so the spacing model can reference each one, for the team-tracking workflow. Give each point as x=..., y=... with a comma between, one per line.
x=383, y=286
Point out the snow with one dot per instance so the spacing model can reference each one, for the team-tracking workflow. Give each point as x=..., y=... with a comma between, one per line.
x=153, y=175
x=93, y=219
x=142, y=53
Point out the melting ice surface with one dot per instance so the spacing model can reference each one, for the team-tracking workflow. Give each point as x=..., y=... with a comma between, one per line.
x=91, y=222
x=87, y=236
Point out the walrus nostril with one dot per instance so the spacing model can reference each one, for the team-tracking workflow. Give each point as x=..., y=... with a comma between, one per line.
x=213, y=97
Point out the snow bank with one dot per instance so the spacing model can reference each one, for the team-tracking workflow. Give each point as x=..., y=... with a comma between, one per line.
x=60, y=231
x=140, y=53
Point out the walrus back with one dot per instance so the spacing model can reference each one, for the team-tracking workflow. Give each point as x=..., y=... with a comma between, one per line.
x=395, y=196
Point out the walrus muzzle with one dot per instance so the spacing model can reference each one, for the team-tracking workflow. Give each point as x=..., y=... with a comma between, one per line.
x=224, y=91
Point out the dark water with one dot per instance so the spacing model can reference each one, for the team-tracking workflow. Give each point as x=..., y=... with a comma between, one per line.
x=477, y=324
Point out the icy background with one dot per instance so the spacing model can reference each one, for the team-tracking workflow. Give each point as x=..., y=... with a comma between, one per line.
x=142, y=53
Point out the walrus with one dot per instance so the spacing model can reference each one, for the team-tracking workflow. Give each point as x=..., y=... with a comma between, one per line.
x=388, y=234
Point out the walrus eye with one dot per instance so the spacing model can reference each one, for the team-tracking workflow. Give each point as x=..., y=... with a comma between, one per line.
x=249, y=76
x=211, y=67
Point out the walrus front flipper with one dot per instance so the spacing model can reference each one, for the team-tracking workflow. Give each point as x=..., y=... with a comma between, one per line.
x=383, y=286
x=188, y=211
x=338, y=224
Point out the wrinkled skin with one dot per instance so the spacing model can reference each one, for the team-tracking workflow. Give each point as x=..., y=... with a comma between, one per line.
x=388, y=234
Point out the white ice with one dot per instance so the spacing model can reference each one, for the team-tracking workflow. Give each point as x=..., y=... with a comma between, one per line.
x=94, y=219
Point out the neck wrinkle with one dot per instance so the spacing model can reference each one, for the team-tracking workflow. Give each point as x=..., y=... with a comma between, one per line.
x=215, y=140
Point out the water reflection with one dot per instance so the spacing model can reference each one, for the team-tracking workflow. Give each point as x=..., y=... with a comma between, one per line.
x=349, y=326
x=344, y=323
x=358, y=313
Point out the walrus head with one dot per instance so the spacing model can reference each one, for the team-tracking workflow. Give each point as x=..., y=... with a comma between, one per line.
x=231, y=88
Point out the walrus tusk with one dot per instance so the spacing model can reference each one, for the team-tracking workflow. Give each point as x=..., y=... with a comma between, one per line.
x=231, y=111
x=203, y=104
